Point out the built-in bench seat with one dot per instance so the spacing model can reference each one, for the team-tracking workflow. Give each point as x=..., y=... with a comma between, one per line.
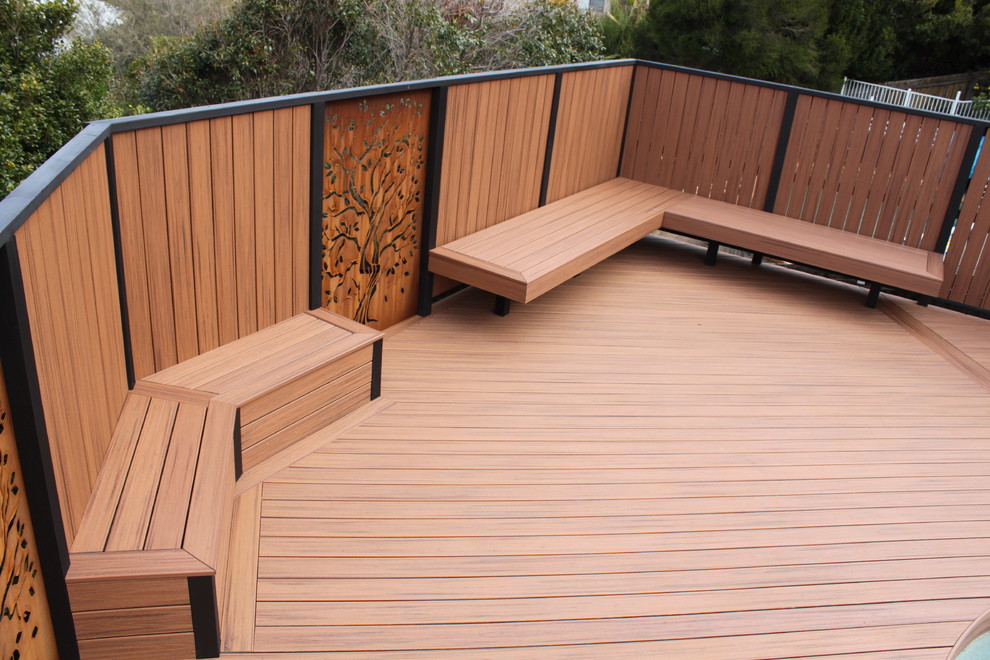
x=149, y=558
x=526, y=256
x=874, y=260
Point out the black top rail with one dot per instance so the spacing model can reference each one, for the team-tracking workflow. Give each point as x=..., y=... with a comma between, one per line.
x=18, y=206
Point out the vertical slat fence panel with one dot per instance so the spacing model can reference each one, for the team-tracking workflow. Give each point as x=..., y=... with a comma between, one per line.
x=213, y=236
x=482, y=183
x=707, y=136
x=70, y=287
x=967, y=260
x=872, y=171
x=590, y=118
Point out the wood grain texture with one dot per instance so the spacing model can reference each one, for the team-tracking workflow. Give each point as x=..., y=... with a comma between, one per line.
x=483, y=183
x=591, y=116
x=712, y=488
x=714, y=138
x=967, y=260
x=871, y=259
x=374, y=185
x=238, y=616
x=172, y=645
x=528, y=255
x=211, y=234
x=27, y=628
x=871, y=171
x=70, y=286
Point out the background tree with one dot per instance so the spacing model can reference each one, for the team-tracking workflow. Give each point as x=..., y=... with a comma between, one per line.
x=48, y=88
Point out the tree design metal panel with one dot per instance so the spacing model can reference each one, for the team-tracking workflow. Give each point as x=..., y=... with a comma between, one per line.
x=373, y=187
x=25, y=627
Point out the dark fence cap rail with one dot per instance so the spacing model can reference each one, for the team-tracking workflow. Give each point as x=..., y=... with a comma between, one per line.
x=31, y=193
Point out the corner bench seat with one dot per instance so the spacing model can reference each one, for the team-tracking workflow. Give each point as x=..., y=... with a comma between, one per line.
x=870, y=259
x=526, y=256
x=149, y=559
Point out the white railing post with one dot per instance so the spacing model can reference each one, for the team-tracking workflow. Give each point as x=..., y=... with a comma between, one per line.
x=954, y=110
x=907, y=98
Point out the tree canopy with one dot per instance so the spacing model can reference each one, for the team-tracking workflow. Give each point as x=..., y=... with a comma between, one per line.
x=48, y=88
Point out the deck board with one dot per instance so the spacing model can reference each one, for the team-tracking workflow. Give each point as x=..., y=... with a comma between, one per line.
x=655, y=459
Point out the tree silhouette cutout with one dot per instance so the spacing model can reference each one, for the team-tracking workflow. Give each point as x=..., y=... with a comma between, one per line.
x=371, y=206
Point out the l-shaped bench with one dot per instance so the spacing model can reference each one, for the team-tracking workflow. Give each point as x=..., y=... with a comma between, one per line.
x=526, y=256
x=149, y=561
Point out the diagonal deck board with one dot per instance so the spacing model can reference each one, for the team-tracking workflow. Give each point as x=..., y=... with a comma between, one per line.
x=655, y=459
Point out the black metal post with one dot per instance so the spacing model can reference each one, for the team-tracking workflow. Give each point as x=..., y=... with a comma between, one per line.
x=783, y=139
x=431, y=200
x=376, y=369
x=711, y=257
x=757, y=258
x=962, y=181
x=874, y=295
x=118, y=251
x=28, y=419
x=205, y=618
x=551, y=135
x=502, y=305
x=317, y=128
x=625, y=122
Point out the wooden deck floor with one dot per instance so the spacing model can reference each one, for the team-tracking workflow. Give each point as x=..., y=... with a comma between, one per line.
x=657, y=459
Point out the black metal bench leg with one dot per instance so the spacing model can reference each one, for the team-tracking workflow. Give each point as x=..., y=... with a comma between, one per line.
x=874, y=297
x=924, y=301
x=712, y=255
x=502, y=305
x=757, y=258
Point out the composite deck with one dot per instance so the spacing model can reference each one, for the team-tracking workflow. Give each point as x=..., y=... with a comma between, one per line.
x=656, y=459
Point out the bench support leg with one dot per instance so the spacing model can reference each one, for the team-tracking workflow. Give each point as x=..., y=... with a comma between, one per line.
x=376, y=370
x=757, y=258
x=502, y=305
x=924, y=301
x=874, y=296
x=712, y=255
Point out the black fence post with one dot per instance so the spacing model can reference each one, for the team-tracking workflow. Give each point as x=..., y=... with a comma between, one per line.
x=551, y=135
x=962, y=182
x=783, y=139
x=317, y=128
x=431, y=200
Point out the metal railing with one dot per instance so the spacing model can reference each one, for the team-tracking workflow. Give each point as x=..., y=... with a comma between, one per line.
x=909, y=98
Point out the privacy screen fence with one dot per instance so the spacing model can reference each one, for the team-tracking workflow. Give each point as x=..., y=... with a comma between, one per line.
x=149, y=240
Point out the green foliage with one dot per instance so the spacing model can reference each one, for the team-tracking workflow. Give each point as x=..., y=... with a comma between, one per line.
x=766, y=39
x=271, y=47
x=48, y=89
x=620, y=26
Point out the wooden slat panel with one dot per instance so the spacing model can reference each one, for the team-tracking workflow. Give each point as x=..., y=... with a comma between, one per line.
x=224, y=228
x=132, y=245
x=137, y=499
x=244, y=239
x=201, y=203
x=212, y=496
x=154, y=220
x=300, y=207
x=967, y=261
x=283, y=209
x=481, y=185
x=707, y=137
x=590, y=118
x=125, y=594
x=168, y=521
x=266, y=180
x=27, y=628
x=871, y=171
x=180, y=240
x=373, y=195
x=72, y=302
x=122, y=622
x=240, y=592
x=173, y=645
x=92, y=535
